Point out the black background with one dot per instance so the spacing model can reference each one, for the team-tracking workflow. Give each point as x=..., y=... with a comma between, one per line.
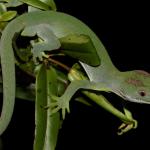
x=123, y=28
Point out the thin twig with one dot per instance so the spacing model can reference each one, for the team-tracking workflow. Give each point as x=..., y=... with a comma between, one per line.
x=59, y=63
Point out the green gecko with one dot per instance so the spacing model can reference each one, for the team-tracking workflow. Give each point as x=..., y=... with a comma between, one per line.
x=132, y=86
x=47, y=41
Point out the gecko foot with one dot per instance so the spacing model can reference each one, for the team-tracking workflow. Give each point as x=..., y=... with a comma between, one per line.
x=59, y=103
x=125, y=127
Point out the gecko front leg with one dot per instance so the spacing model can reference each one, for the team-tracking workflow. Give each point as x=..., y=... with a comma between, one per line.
x=63, y=101
x=47, y=40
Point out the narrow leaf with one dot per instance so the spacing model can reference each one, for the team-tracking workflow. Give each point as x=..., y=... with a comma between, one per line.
x=80, y=47
x=6, y=16
x=47, y=126
x=2, y=8
x=53, y=121
x=50, y=3
x=21, y=93
x=13, y=3
x=37, y=4
x=40, y=112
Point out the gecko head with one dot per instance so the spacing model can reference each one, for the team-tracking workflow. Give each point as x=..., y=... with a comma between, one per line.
x=135, y=86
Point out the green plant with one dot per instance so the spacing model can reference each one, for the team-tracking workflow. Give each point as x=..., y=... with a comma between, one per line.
x=44, y=57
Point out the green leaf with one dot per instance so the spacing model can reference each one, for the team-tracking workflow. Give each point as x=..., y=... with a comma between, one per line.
x=4, y=0
x=53, y=122
x=50, y=3
x=47, y=126
x=84, y=101
x=32, y=9
x=7, y=16
x=63, y=82
x=2, y=8
x=80, y=47
x=13, y=3
x=25, y=93
x=37, y=3
x=22, y=93
x=2, y=26
x=40, y=113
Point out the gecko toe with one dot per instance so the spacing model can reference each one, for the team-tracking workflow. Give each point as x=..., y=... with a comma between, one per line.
x=55, y=110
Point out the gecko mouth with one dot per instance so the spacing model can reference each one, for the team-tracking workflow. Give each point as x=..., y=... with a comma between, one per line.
x=136, y=100
x=128, y=98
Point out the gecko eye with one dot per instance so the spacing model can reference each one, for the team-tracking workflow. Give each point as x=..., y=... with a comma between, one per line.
x=142, y=93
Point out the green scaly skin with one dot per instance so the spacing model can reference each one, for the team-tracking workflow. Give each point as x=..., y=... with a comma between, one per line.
x=132, y=86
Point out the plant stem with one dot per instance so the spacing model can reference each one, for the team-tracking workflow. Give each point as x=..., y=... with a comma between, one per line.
x=105, y=104
x=59, y=64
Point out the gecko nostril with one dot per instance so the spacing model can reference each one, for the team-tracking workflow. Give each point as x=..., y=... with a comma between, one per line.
x=142, y=93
